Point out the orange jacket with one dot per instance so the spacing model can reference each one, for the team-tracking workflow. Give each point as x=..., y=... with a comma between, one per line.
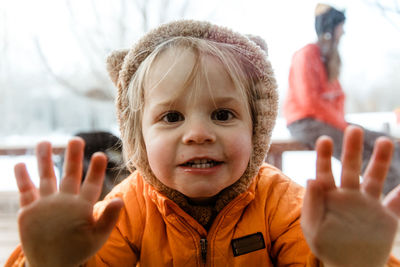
x=310, y=95
x=154, y=230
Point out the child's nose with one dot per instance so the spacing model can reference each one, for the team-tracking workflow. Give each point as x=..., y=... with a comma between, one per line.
x=199, y=133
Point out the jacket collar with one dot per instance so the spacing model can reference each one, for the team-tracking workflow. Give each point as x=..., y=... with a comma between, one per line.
x=171, y=210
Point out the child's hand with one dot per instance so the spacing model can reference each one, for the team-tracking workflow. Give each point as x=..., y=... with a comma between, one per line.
x=392, y=201
x=348, y=226
x=57, y=228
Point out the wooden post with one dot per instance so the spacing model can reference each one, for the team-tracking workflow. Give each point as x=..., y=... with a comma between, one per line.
x=274, y=155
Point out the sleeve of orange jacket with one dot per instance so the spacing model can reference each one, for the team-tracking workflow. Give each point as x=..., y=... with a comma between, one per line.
x=289, y=247
x=118, y=250
x=305, y=83
x=393, y=262
x=16, y=259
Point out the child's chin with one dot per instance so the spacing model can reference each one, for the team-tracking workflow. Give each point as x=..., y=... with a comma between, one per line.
x=203, y=199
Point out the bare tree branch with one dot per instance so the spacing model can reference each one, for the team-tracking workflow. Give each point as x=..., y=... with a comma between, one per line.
x=387, y=11
x=121, y=21
x=93, y=93
x=164, y=11
x=4, y=68
x=88, y=45
x=142, y=7
x=183, y=10
x=98, y=94
x=99, y=30
x=4, y=43
x=50, y=71
x=96, y=43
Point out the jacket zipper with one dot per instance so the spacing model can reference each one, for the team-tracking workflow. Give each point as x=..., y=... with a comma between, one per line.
x=203, y=249
x=203, y=241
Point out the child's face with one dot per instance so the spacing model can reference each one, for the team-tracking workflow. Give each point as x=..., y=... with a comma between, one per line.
x=198, y=141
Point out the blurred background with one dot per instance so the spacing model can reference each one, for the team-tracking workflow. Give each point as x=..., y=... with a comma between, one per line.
x=53, y=82
x=52, y=70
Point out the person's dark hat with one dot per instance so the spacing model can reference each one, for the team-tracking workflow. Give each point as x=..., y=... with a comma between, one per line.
x=327, y=18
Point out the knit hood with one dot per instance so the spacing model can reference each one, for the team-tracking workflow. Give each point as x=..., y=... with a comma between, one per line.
x=123, y=64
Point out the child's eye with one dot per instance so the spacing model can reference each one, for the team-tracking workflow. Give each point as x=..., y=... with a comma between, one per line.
x=172, y=116
x=222, y=115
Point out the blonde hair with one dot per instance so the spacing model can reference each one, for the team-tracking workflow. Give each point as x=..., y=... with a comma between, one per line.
x=331, y=58
x=239, y=68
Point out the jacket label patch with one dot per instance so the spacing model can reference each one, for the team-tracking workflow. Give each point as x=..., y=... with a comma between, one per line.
x=247, y=244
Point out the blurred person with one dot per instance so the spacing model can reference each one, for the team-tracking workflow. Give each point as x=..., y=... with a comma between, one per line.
x=314, y=105
x=112, y=147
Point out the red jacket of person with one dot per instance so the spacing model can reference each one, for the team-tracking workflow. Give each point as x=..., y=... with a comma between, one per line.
x=310, y=94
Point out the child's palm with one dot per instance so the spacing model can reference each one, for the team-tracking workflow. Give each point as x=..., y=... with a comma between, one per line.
x=348, y=226
x=58, y=228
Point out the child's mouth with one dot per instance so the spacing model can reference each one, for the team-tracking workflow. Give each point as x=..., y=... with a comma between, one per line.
x=201, y=163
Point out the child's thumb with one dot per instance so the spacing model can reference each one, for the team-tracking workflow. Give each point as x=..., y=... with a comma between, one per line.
x=392, y=201
x=313, y=206
x=109, y=217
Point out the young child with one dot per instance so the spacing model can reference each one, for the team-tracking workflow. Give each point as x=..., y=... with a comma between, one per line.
x=196, y=105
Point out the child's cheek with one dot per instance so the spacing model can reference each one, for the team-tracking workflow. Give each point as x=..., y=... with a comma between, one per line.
x=240, y=148
x=160, y=155
x=244, y=150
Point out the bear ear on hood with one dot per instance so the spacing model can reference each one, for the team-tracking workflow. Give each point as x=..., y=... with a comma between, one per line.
x=114, y=64
x=259, y=41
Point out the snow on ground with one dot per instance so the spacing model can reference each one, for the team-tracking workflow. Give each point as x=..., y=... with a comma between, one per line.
x=7, y=181
x=299, y=166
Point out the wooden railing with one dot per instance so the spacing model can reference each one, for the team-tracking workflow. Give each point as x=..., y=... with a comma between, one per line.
x=278, y=147
x=20, y=151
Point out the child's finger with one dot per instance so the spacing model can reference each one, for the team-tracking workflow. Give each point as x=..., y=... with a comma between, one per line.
x=109, y=217
x=27, y=190
x=48, y=182
x=392, y=201
x=378, y=167
x=92, y=185
x=72, y=174
x=324, y=148
x=313, y=206
x=351, y=157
